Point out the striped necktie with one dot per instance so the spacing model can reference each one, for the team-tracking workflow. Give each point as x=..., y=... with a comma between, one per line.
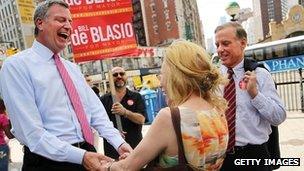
x=229, y=95
x=75, y=100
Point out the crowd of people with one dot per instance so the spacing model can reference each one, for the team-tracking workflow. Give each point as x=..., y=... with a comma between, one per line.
x=52, y=109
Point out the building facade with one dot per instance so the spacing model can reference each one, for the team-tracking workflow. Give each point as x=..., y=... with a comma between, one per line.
x=160, y=22
x=17, y=26
x=167, y=20
x=291, y=26
x=269, y=10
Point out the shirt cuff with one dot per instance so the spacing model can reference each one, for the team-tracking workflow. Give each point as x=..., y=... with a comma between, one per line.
x=75, y=155
x=258, y=101
x=117, y=141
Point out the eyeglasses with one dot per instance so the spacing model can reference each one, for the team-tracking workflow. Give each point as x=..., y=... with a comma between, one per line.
x=120, y=73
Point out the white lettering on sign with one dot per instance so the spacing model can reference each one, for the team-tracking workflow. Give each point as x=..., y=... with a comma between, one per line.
x=112, y=32
x=286, y=64
x=73, y=2
x=79, y=36
x=98, y=1
x=88, y=2
x=166, y=13
x=154, y=16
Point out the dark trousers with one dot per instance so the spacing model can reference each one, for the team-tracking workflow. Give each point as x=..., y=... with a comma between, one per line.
x=247, y=152
x=35, y=162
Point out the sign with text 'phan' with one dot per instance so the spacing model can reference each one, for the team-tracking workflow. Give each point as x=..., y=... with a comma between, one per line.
x=285, y=64
x=101, y=29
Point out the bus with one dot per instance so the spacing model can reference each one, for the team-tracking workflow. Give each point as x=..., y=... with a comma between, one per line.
x=277, y=56
x=281, y=55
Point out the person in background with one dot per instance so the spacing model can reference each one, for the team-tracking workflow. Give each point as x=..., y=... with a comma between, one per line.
x=192, y=86
x=5, y=127
x=88, y=79
x=51, y=107
x=96, y=90
x=252, y=108
x=130, y=106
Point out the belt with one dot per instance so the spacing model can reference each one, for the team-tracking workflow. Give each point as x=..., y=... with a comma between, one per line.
x=79, y=144
x=237, y=149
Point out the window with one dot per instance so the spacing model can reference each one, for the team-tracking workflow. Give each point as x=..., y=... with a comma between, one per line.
x=280, y=50
x=294, y=48
x=269, y=53
x=258, y=54
x=249, y=54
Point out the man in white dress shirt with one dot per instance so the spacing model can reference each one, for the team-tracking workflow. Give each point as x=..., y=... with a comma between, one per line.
x=258, y=105
x=42, y=115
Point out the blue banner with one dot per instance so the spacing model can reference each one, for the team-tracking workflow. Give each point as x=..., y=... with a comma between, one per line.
x=284, y=64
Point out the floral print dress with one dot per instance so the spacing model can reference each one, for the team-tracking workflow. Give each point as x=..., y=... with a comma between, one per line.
x=205, y=138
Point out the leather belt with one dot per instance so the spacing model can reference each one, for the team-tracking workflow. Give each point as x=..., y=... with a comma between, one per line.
x=79, y=144
x=236, y=149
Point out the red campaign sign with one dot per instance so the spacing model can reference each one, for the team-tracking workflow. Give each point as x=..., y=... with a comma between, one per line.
x=99, y=34
x=82, y=6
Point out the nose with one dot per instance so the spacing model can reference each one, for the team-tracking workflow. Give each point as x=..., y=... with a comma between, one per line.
x=220, y=48
x=68, y=25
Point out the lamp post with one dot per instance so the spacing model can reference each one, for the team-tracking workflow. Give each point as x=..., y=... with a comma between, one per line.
x=233, y=10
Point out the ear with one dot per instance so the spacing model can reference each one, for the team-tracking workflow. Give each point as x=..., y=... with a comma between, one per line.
x=39, y=24
x=243, y=43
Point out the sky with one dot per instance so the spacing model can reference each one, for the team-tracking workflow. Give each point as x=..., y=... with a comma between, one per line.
x=210, y=12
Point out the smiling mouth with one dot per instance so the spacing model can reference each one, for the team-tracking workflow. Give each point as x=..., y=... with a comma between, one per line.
x=63, y=35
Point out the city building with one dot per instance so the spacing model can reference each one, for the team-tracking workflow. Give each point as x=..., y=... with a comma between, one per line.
x=138, y=23
x=16, y=28
x=189, y=23
x=165, y=21
x=159, y=22
x=266, y=11
x=291, y=26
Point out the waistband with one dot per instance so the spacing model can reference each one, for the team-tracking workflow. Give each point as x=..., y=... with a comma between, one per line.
x=237, y=149
x=80, y=144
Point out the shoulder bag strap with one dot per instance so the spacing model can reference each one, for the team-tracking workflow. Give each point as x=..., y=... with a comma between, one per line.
x=175, y=115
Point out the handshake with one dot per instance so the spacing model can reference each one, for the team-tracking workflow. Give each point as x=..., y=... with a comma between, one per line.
x=98, y=162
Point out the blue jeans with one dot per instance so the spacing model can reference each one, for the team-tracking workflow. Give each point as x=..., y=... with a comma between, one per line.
x=4, y=152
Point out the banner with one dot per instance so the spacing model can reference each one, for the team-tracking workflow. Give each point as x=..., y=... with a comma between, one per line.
x=26, y=9
x=101, y=29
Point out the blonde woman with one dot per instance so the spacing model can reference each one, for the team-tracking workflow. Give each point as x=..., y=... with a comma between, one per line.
x=191, y=83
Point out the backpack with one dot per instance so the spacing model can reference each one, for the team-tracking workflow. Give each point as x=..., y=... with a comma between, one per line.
x=273, y=144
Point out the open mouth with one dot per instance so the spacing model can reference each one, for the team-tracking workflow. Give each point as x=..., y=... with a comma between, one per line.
x=63, y=35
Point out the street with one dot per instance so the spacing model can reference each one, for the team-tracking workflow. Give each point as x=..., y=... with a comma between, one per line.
x=291, y=141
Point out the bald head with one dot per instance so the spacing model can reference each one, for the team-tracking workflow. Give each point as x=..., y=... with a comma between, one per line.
x=118, y=69
x=119, y=76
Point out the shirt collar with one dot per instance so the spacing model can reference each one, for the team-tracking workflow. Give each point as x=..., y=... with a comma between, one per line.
x=42, y=51
x=235, y=69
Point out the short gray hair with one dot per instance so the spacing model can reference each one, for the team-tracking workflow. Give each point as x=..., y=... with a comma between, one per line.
x=42, y=9
x=239, y=30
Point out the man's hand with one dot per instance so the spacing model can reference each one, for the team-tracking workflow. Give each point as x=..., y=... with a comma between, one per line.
x=93, y=161
x=118, y=109
x=251, y=83
x=124, y=150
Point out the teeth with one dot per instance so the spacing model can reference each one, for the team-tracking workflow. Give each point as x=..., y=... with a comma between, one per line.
x=65, y=35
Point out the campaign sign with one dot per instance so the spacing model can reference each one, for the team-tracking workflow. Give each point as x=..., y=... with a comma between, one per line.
x=101, y=29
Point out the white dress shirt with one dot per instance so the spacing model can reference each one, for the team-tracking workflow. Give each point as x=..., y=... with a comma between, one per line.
x=40, y=110
x=254, y=116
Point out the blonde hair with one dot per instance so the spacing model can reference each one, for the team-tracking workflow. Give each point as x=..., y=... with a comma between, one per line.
x=189, y=70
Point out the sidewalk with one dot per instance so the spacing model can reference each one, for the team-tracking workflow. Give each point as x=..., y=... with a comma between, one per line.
x=291, y=141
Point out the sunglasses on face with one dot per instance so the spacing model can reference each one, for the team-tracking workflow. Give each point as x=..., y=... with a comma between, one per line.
x=120, y=73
